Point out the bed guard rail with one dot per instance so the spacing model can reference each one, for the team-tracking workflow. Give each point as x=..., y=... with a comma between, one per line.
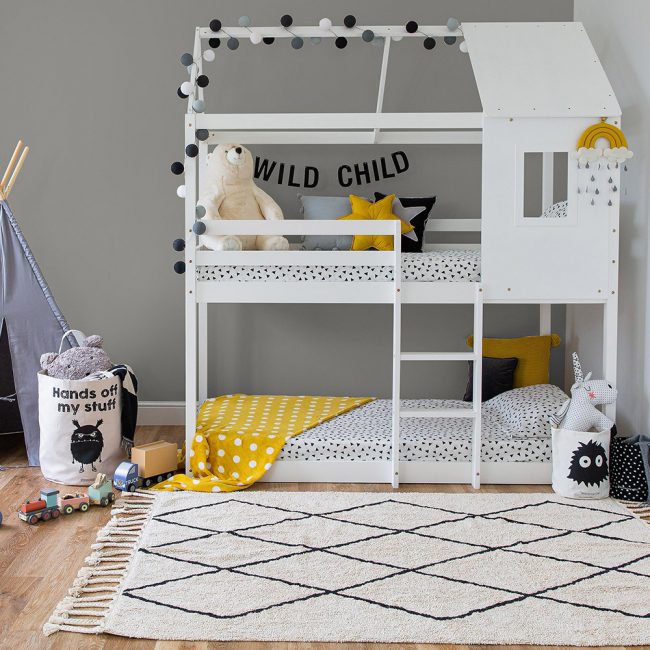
x=299, y=257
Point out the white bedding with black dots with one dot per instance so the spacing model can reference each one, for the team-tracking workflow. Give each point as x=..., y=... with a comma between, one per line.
x=515, y=428
x=430, y=266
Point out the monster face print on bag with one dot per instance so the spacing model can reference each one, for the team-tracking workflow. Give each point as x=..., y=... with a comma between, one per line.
x=589, y=464
x=86, y=444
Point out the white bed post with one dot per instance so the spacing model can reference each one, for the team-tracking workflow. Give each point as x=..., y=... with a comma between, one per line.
x=397, y=350
x=477, y=385
x=382, y=84
x=191, y=341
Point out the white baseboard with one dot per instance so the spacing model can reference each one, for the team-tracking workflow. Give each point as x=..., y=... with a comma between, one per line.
x=161, y=413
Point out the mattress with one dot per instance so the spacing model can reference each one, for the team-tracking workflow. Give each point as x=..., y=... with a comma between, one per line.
x=429, y=266
x=365, y=434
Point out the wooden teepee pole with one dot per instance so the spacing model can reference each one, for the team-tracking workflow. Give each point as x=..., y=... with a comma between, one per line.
x=14, y=176
x=12, y=162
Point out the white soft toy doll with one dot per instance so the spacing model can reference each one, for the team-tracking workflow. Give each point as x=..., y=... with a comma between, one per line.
x=230, y=193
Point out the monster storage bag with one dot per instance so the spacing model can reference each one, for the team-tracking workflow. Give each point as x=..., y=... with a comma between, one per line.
x=80, y=428
x=581, y=464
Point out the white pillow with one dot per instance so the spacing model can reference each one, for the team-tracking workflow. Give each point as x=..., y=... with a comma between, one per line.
x=527, y=411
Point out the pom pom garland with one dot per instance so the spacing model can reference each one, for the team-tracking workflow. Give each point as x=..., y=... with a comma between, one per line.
x=244, y=21
x=178, y=245
x=429, y=43
x=297, y=42
x=453, y=24
x=232, y=43
x=198, y=105
x=177, y=168
x=325, y=24
x=181, y=191
x=199, y=211
x=349, y=21
x=412, y=27
x=179, y=267
x=286, y=21
x=214, y=43
x=187, y=88
x=187, y=59
x=208, y=55
x=368, y=35
x=341, y=42
x=202, y=134
x=202, y=81
x=192, y=151
x=199, y=228
x=215, y=25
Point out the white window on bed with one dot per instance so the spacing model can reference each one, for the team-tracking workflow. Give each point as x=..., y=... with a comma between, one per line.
x=543, y=178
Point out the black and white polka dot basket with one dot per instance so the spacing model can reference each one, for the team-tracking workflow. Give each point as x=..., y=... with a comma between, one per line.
x=630, y=467
x=581, y=464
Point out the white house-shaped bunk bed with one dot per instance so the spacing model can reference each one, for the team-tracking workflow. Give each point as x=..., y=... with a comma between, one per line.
x=541, y=85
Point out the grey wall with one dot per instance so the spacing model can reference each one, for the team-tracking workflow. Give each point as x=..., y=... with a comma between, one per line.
x=90, y=85
x=619, y=33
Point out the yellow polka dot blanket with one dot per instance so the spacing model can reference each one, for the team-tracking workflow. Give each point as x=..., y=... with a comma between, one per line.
x=239, y=436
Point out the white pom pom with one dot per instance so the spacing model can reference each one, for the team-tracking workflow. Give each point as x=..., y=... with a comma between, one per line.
x=463, y=47
x=180, y=191
x=325, y=24
x=208, y=55
x=187, y=88
x=397, y=39
x=256, y=38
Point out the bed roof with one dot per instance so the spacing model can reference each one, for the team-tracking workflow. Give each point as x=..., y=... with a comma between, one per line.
x=538, y=70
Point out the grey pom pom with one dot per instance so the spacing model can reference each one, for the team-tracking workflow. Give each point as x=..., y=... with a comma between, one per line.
x=187, y=59
x=198, y=105
x=202, y=134
x=244, y=21
x=452, y=24
x=200, y=211
x=198, y=228
x=232, y=43
x=297, y=42
x=368, y=35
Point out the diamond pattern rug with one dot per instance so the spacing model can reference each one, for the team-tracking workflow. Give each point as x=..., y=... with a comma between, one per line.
x=397, y=567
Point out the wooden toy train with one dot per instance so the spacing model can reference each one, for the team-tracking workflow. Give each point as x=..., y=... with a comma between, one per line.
x=50, y=505
x=150, y=464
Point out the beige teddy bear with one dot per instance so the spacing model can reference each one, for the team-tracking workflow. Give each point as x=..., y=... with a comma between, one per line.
x=230, y=193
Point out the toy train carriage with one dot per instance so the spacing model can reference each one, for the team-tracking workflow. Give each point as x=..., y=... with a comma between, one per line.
x=68, y=503
x=101, y=492
x=152, y=463
x=43, y=509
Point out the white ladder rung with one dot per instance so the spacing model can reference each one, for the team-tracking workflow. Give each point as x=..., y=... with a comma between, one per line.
x=437, y=356
x=437, y=413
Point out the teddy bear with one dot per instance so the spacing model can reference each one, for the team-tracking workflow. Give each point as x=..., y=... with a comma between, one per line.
x=77, y=362
x=230, y=193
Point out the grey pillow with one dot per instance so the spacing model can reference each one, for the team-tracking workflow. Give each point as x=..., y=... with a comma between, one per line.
x=318, y=208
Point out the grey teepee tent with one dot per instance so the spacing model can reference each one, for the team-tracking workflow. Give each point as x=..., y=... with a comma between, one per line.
x=30, y=323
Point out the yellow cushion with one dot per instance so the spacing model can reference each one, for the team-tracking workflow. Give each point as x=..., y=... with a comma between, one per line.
x=381, y=210
x=533, y=353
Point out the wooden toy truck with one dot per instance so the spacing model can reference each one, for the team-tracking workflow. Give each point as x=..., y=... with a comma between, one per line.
x=101, y=492
x=42, y=509
x=150, y=463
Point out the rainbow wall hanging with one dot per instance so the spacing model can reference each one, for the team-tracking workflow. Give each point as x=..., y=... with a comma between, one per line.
x=594, y=162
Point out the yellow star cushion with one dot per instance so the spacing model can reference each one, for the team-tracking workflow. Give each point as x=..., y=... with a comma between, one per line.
x=381, y=210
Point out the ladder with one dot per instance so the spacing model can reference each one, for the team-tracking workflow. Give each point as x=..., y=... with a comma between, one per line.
x=476, y=355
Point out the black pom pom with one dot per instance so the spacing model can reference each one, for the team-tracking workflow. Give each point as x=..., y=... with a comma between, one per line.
x=286, y=20
x=215, y=25
x=349, y=21
x=192, y=150
x=429, y=43
x=450, y=40
x=178, y=245
x=202, y=81
x=177, y=168
x=268, y=40
x=214, y=43
x=341, y=42
x=181, y=94
x=179, y=267
x=202, y=134
x=411, y=27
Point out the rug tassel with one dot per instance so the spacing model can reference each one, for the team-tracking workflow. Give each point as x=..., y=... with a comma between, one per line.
x=94, y=589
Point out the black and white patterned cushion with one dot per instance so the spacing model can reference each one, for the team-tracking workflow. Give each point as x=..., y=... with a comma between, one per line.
x=555, y=211
x=365, y=434
x=430, y=266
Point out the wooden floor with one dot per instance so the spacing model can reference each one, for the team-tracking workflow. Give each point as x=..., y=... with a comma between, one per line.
x=38, y=563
